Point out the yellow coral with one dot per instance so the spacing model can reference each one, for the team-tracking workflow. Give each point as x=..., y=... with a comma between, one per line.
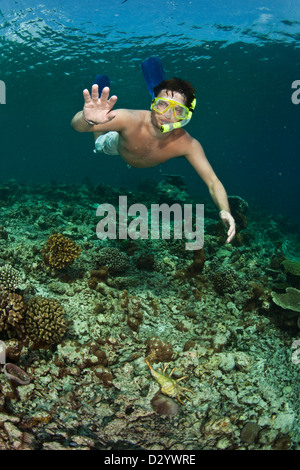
x=60, y=251
x=45, y=320
x=12, y=310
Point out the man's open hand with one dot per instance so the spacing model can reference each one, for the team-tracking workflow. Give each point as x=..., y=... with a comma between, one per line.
x=99, y=110
x=229, y=223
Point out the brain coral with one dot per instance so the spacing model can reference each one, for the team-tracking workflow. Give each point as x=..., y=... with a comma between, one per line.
x=114, y=259
x=45, y=320
x=10, y=278
x=60, y=251
x=12, y=310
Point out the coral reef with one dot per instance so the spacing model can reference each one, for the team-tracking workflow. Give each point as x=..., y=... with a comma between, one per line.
x=12, y=310
x=60, y=251
x=292, y=267
x=115, y=260
x=215, y=323
x=45, y=321
x=10, y=278
x=159, y=350
x=225, y=280
x=290, y=300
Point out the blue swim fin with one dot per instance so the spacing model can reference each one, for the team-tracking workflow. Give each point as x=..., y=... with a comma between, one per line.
x=153, y=73
x=102, y=81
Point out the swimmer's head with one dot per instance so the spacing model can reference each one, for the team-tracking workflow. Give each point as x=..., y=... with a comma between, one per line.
x=177, y=85
x=175, y=90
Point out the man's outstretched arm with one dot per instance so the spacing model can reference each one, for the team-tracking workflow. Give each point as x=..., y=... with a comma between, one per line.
x=197, y=158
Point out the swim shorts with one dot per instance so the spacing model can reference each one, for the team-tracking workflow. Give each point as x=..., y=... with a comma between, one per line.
x=107, y=143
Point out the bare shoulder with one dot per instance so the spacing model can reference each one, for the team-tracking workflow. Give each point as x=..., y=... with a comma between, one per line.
x=189, y=145
x=193, y=148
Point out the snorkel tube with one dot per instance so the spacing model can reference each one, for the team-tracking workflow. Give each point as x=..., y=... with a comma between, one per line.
x=179, y=124
x=154, y=74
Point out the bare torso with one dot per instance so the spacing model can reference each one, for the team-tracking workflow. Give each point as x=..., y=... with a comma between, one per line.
x=142, y=145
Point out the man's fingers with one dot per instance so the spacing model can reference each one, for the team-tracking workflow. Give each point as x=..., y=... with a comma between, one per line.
x=86, y=96
x=228, y=221
x=104, y=101
x=104, y=94
x=95, y=92
x=230, y=233
x=112, y=101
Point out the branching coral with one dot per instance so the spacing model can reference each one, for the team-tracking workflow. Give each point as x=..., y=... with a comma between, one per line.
x=12, y=310
x=114, y=259
x=45, y=321
x=10, y=278
x=60, y=251
x=225, y=281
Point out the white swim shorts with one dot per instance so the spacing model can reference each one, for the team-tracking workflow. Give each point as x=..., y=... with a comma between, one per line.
x=107, y=143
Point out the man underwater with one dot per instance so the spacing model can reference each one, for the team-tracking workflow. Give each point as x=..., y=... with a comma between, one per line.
x=147, y=138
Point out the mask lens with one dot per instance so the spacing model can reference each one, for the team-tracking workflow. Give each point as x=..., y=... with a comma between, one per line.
x=162, y=105
x=180, y=112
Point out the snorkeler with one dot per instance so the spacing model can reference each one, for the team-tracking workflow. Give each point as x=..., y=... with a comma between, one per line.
x=147, y=138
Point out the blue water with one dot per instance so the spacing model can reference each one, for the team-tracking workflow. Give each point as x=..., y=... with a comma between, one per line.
x=242, y=58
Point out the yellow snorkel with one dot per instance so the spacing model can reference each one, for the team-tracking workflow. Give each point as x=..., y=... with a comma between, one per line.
x=178, y=124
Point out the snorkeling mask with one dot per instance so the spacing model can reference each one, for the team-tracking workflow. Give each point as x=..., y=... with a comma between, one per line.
x=179, y=111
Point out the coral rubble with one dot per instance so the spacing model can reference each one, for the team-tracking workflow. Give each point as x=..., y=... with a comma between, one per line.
x=82, y=330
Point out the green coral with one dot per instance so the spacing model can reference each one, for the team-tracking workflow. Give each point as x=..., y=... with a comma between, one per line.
x=292, y=267
x=290, y=300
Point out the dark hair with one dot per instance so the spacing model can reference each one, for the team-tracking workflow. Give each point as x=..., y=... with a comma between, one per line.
x=180, y=86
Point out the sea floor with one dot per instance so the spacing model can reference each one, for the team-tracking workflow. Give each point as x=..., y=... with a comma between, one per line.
x=211, y=318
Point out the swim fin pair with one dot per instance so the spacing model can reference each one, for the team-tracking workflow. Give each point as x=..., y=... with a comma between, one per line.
x=152, y=70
